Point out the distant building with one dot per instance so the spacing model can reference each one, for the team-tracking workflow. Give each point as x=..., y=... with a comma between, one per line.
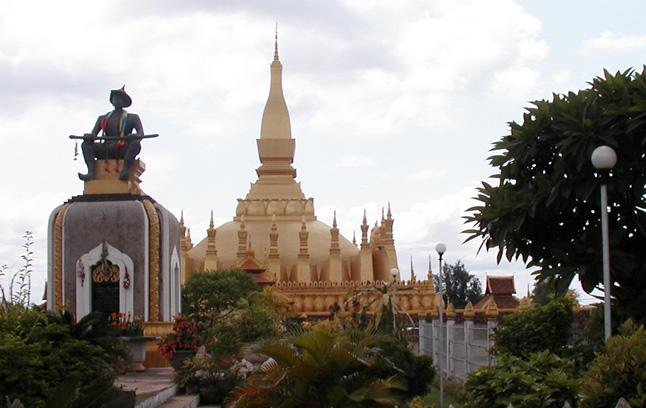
x=501, y=290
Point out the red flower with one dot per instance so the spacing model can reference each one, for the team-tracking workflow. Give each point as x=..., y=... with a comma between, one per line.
x=183, y=337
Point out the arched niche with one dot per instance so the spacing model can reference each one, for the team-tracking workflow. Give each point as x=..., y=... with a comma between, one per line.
x=102, y=264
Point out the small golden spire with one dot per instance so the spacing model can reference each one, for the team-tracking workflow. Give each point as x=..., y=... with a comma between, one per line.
x=450, y=311
x=413, y=278
x=491, y=311
x=525, y=303
x=469, y=312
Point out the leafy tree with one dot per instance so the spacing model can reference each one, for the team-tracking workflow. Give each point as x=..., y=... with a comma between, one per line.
x=257, y=317
x=208, y=295
x=460, y=286
x=319, y=368
x=544, y=292
x=545, y=206
x=536, y=329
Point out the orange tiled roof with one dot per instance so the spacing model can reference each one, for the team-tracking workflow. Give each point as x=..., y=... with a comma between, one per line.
x=500, y=285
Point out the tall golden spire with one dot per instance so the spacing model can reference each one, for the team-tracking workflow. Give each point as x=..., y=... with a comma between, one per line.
x=276, y=176
x=275, y=118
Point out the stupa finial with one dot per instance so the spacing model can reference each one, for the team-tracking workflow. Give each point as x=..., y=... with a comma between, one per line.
x=276, y=44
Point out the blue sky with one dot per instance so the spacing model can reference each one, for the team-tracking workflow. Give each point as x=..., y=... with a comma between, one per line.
x=390, y=102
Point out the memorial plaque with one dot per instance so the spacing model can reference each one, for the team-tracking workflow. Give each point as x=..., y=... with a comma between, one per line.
x=105, y=288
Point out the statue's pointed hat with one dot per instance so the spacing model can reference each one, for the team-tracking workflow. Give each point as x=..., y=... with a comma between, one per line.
x=123, y=93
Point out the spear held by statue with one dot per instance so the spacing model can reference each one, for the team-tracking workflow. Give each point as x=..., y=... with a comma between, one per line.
x=90, y=136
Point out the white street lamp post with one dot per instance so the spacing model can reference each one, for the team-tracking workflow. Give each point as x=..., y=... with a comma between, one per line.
x=441, y=248
x=604, y=158
x=394, y=273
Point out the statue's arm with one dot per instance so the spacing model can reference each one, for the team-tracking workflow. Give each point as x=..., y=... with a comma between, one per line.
x=95, y=131
x=136, y=124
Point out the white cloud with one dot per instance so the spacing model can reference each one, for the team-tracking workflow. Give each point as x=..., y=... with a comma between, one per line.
x=354, y=162
x=516, y=81
x=440, y=50
x=420, y=222
x=610, y=41
x=426, y=174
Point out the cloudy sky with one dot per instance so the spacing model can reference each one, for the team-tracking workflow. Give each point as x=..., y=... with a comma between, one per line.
x=390, y=102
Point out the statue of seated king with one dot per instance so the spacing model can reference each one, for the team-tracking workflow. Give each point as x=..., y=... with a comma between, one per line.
x=110, y=150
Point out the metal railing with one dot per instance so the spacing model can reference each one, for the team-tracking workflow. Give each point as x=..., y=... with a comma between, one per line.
x=468, y=345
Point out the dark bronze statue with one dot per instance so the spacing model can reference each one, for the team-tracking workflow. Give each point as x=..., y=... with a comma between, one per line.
x=116, y=140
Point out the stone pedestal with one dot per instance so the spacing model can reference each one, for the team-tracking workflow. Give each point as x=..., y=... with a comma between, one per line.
x=106, y=179
x=114, y=250
x=137, y=349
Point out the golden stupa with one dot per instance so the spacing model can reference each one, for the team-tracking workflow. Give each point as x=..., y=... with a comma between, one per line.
x=276, y=236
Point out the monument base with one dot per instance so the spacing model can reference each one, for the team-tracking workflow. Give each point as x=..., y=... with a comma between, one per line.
x=106, y=178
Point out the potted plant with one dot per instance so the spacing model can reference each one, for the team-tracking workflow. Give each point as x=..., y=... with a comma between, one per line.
x=186, y=377
x=127, y=324
x=217, y=377
x=181, y=343
x=130, y=330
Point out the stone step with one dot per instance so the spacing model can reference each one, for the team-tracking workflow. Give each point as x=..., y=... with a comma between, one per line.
x=182, y=401
x=148, y=389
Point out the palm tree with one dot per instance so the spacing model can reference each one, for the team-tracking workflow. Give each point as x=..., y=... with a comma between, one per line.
x=93, y=328
x=319, y=368
x=381, y=293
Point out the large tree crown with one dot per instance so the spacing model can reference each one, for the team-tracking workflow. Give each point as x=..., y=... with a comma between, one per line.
x=545, y=208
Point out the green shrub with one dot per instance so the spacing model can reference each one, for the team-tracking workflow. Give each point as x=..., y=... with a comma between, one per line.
x=42, y=360
x=618, y=371
x=215, y=375
x=418, y=370
x=320, y=368
x=538, y=380
x=549, y=327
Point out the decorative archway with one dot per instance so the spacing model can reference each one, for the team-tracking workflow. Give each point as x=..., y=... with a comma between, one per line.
x=104, y=272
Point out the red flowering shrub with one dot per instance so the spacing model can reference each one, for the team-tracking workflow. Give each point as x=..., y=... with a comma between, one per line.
x=185, y=336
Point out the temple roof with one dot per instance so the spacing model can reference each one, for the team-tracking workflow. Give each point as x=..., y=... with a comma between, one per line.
x=500, y=285
x=501, y=290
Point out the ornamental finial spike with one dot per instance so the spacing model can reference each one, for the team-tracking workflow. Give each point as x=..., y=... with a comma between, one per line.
x=276, y=44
